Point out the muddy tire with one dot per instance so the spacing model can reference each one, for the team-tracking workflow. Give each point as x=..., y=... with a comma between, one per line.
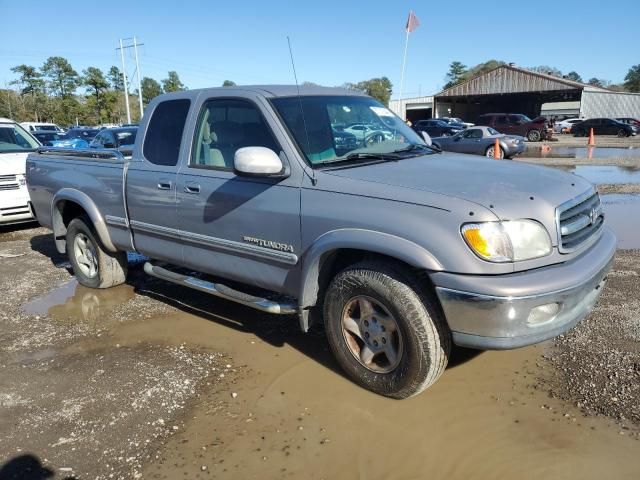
x=385, y=330
x=92, y=264
x=534, y=135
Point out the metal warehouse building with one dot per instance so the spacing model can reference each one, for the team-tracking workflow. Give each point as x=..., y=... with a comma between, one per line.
x=511, y=89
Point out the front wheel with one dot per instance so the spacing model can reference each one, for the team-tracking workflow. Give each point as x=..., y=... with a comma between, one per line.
x=534, y=135
x=491, y=152
x=386, y=332
x=92, y=264
x=622, y=133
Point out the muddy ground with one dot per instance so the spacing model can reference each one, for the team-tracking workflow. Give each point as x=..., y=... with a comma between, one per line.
x=148, y=380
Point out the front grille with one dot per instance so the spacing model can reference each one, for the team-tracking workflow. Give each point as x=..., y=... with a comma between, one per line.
x=9, y=186
x=578, y=220
x=7, y=178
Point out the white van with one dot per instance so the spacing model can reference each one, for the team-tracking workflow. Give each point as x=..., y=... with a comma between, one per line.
x=35, y=126
x=15, y=145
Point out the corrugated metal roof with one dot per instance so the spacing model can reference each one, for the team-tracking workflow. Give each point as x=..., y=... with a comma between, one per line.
x=509, y=79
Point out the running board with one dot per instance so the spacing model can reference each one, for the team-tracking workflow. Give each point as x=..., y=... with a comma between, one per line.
x=222, y=291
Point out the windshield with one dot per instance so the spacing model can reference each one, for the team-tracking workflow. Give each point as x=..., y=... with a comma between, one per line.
x=14, y=138
x=492, y=131
x=337, y=128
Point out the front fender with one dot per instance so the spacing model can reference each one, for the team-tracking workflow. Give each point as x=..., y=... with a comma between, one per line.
x=84, y=201
x=358, y=239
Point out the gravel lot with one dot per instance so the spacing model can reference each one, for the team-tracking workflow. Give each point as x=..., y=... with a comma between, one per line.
x=147, y=380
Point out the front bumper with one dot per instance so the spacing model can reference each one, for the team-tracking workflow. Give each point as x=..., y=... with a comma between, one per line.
x=493, y=312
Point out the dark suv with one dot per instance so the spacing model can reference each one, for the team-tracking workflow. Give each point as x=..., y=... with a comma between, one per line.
x=437, y=128
x=517, y=124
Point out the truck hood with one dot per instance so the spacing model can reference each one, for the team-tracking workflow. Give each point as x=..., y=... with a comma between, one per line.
x=509, y=189
x=13, y=163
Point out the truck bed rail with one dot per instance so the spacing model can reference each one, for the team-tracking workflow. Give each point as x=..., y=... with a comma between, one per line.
x=83, y=153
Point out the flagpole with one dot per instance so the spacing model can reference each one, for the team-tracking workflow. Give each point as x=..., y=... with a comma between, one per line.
x=404, y=62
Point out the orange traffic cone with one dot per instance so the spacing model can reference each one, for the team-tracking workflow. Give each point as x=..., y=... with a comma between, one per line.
x=592, y=139
x=496, y=149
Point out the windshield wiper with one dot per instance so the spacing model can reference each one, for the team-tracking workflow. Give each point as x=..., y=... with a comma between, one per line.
x=380, y=157
x=418, y=146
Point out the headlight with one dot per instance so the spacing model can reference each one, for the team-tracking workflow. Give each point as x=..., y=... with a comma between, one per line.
x=508, y=241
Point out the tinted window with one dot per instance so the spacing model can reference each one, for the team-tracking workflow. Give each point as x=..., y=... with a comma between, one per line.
x=501, y=120
x=126, y=137
x=225, y=126
x=164, y=133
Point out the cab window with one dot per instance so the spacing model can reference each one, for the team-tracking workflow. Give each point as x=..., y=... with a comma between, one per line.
x=224, y=126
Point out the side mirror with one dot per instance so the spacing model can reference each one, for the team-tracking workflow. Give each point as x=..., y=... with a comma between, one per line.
x=257, y=161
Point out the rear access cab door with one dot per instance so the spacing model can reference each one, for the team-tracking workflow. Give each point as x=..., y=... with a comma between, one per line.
x=151, y=180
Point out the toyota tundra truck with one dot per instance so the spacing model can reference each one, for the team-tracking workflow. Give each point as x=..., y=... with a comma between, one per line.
x=398, y=249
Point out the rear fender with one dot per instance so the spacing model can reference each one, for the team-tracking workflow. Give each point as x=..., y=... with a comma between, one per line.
x=86, y=203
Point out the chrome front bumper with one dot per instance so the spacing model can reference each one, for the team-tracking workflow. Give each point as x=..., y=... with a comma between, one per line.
x=496, y=314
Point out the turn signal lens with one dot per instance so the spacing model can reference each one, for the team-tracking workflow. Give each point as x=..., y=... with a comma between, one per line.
x=507, y=241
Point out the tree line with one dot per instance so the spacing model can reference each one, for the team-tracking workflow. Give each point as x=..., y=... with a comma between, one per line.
x=55, y=92
x=459, y=73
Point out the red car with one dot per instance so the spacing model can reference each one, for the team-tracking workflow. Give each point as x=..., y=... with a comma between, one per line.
x=517, y=124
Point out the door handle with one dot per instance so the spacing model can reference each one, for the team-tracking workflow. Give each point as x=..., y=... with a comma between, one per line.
x=164, y=185
x=192, y=188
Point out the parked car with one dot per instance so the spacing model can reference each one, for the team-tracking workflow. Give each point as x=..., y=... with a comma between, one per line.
x=121, y=139
x=630, y=121
x=365, y=133
x=458, y=121
x=517, y=124
x=565, y=126
x=481, y=141
x=398, y=248
x=344, y=141
x=436, y=127
x=84, y=133
x=75, y=143
x=454, y=122
x=45, y=137
x=33, y=126
x=603, y=126
x=15, y=145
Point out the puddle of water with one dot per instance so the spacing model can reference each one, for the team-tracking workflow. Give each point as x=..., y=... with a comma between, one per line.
x=296, y=415
x=581, y=152
x=72, y=302
x=607, y=174
x=622, y=213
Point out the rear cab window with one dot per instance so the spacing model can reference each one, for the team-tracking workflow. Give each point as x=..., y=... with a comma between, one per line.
x=164, y=132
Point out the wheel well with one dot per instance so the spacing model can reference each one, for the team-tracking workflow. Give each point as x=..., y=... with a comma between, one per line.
x=65, y=211
x=71, y=210
x=337, y=260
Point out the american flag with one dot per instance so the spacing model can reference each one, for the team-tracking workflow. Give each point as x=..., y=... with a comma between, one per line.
x=412, y=22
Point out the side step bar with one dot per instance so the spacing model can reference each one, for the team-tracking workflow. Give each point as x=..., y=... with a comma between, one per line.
x=222, y=291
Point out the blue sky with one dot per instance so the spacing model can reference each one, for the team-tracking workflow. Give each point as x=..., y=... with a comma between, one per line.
x=334, y=42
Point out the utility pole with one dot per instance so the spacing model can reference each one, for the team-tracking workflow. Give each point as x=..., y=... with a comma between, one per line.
x=124, y=79
x=122, y=48
x=135, y=49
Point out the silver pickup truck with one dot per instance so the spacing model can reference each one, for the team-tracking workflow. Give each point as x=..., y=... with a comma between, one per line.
x=399, y=249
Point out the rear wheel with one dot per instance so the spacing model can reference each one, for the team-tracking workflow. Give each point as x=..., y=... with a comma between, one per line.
x=92, y=264
x=534, y=135
x=386, y=332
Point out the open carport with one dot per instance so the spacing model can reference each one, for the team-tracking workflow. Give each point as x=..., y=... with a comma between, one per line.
x=507, y=89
